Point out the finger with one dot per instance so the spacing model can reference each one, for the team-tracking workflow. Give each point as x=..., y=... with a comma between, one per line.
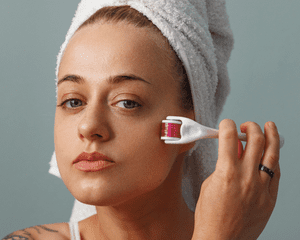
x=271, y=152
x=274, y=184
x=254, y=146
x=240, y=149
x=228, y=149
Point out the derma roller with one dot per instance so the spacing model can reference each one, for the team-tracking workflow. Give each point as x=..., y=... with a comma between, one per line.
x=181, y=130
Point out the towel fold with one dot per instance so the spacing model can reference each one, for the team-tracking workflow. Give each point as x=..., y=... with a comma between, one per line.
x=200, y=34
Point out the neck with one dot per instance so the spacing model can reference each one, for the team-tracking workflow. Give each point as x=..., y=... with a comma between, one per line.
x=159, y=214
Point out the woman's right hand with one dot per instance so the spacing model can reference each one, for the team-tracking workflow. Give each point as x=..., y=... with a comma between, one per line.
x=237, y=199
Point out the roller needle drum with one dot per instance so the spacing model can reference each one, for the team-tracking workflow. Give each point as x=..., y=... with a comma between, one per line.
x=181, y=130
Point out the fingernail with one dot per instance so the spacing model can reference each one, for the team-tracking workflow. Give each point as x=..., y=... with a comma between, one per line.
x=244, y=129
x=272, y=125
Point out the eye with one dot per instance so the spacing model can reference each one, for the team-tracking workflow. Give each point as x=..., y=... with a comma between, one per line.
x=129, y=104
x=74, y=103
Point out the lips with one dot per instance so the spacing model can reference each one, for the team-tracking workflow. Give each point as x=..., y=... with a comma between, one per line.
x=95, y=156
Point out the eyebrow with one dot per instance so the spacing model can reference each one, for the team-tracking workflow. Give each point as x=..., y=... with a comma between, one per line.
x=111, y=80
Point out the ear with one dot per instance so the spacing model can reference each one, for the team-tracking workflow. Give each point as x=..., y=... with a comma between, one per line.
x=188, y=146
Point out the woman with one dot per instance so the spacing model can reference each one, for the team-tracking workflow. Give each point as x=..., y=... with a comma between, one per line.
x=118, y=78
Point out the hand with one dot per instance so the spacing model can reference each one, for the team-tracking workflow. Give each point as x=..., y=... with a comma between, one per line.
x=237, y=199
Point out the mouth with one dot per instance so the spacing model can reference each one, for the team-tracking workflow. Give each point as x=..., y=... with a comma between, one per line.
x=93, y=166
x=95, y=156
x=92, y=162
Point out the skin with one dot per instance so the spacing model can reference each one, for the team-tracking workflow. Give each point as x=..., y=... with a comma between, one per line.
x=46, y=231
x=140, y=196
x=237, y=200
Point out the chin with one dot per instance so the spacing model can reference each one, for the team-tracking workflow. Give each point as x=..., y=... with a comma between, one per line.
x=102, y=195
x=102, y=191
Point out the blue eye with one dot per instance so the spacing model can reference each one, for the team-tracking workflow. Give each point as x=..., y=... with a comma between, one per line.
x=73, y=103
x=129, y=104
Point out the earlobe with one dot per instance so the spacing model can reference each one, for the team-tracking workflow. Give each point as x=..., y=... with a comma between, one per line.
x=186, y=147
x=191, y=115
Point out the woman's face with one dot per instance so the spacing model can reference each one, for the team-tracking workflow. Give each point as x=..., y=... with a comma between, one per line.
x=121, y=120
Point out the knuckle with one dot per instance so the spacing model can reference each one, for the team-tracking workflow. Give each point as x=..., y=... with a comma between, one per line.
x=227, y=129
x=227, y=123
x=279, y=174
x=229, y=133
x=227, y=172
x=229, y=178
x=278, y=171
x=275, y=134
x=251, y=124
x=275, y=127
x=254, y=124
x=274, y=158
x=259, y=139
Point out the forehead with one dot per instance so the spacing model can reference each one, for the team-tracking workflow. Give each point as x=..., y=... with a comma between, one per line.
x=100, y=51
x=108, y=46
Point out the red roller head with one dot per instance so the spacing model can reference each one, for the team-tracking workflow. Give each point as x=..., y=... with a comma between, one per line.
x=170, y=130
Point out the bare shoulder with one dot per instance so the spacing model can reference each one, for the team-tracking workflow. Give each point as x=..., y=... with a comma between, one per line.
x=58, y=231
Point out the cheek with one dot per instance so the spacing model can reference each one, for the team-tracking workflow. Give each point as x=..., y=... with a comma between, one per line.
x=146, y=157
x=64, y=131
x=144, y=139
x=66, y=151
x=154, y=162
x=64, y=136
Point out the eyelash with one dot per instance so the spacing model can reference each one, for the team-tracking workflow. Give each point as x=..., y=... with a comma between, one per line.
x=70, y=109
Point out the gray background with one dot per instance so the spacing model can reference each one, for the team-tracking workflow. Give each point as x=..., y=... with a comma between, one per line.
x=264, y=70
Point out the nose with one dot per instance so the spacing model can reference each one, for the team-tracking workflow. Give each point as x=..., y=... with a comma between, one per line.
x=93, y=125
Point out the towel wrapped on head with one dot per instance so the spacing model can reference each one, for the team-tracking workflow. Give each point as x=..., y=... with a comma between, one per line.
x=199, y=33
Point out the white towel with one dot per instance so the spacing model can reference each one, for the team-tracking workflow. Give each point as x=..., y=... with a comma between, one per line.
x=199, y=32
